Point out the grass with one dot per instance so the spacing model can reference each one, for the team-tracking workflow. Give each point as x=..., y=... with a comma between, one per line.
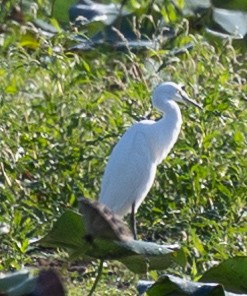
x=60, y=115
x=113, y=282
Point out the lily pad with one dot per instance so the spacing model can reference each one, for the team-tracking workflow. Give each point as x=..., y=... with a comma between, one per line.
x=168, y=285
x=69, y=233
x=8, y=281
x=90, y=11
x=21, y=283
x=233, y=22
x=231, y=273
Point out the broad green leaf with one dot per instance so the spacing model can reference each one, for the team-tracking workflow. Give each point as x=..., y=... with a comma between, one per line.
x=231, y=273
x=66, y=233
x=171, y=285
x=23, y=283
x=94, y=12
x=29, y=41
x=69, y=233
x=233, y=22
x=147, y=256
x=17, y=284
x=60, y=10
x=7, y=281
x=229, y=4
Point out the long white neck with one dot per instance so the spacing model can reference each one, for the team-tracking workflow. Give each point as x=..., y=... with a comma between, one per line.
x=167, y=129
x=171, y=115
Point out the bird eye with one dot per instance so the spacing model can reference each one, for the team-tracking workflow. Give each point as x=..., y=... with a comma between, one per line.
x=183, y=87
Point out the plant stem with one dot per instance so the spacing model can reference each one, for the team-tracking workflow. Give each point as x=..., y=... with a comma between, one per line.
x=100, y=268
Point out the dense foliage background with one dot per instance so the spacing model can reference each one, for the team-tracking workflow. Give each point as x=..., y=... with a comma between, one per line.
x=61, y=112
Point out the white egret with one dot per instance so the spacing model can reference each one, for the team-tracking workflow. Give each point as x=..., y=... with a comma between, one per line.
x=131, y=168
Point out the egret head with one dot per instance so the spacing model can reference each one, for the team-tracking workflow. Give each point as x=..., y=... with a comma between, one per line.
x=170, y=91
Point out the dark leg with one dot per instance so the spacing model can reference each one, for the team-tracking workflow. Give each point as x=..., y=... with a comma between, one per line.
x=133, y=221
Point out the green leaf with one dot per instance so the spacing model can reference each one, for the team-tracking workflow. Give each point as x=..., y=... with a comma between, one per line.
x=223, y=189
x=66, y=233
x=29, y=41
x=60, y=10
x=228, y=4
x=69, y=233
x=171, y=285
x=18, y=283
x=23, y=283
x=231, y=273
x=238, y=137
x=145, y=256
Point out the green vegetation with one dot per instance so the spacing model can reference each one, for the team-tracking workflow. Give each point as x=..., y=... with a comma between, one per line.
x=61, y=113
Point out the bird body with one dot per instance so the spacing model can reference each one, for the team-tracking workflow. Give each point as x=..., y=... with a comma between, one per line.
x=118, y=181
x=131, y=169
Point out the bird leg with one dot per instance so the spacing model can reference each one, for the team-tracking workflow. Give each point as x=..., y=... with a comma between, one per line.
x=133, y=221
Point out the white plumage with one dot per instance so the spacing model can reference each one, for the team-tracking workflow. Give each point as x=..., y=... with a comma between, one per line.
x=131, y=168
